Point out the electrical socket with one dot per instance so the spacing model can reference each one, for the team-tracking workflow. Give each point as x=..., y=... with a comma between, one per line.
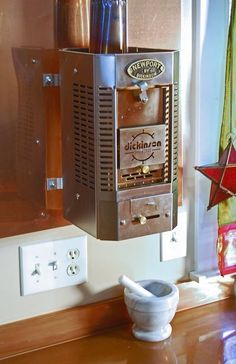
x=73, y=269
x=53, y=264
x=174, y=242
x=73, y=254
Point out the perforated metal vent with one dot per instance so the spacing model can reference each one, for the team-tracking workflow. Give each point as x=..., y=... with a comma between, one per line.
x=167, y=136
x=83, y=116
x=175, y=131
x=25, y=126
x=106, y=139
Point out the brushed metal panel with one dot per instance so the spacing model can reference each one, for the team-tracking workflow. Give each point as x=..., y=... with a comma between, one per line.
x=27, y=23
x=77, y=124
x=138, y=177
x=153, y=205
x=32, y=23
x=108, y=26
x=158, y=220
x=105, y=70
x=105, y=139
x=140, y=192
x=107, y=220
x=141, y=146
x=132, y=112
x=79, y=208
x=38, y=127
x=72, y=23
x=78, y=65
x=31, y=127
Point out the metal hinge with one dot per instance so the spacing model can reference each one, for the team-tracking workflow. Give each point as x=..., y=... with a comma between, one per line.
x=51, y=79
x=54, y=184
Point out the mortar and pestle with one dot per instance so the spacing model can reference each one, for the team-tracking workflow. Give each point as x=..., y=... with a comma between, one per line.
x=151, y=305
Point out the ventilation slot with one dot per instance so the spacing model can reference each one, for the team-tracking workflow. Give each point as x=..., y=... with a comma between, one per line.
x=135, y=179
x=167, y=136
x=25, y=127
x=106, y=139
x=83, y=117
x=175, y=132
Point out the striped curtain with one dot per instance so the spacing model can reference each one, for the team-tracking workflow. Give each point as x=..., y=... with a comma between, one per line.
x=227, y=208
x=226, y=244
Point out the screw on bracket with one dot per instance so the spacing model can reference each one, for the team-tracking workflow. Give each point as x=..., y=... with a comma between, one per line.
x=51, y=79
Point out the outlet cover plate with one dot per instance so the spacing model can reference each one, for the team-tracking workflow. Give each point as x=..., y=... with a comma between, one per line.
x=45, y=266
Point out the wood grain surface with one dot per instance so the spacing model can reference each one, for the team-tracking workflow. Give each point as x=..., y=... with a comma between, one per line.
x=83, y=321
x=204, y=335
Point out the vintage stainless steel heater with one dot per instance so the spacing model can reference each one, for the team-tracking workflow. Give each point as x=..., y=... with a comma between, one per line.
x=120, y=141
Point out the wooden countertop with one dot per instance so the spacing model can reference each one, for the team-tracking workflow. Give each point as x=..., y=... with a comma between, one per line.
x=203, y=335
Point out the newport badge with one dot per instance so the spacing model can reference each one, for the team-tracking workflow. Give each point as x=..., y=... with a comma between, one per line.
x=145, y=69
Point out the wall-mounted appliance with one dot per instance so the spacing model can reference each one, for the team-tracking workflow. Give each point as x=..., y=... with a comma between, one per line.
x=120, y=141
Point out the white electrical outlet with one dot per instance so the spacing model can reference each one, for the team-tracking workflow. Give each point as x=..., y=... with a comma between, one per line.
x=174, y=242
x=53, y=264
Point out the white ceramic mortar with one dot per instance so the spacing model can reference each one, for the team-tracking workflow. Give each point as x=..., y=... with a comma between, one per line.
x=152, y=315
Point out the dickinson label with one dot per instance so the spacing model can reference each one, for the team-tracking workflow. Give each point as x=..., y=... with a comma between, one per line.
x=140, y=146
x=145, y=69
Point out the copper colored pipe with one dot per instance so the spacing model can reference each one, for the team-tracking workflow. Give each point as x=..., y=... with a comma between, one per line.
x=72, y=23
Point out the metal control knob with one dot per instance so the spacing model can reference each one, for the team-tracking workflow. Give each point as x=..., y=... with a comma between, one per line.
x=141, y=219
x=145, y=169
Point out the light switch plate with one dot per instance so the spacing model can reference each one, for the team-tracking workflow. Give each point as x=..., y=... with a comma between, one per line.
x=174, y=242
x=53, y=264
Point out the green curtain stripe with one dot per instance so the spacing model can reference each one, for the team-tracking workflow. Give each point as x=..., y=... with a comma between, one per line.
x=227, y=208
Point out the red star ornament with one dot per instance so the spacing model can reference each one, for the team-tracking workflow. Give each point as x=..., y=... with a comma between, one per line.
x=223, y=176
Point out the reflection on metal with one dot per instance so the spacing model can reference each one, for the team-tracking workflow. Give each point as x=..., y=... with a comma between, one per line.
x=39, y=24
x=145, y=69
x=54, y=184
x=50, y=79
x=142, y=146
x=108, y=26
x=72, y=23
x=38, y=127
x=143, y=97
x=119, y=155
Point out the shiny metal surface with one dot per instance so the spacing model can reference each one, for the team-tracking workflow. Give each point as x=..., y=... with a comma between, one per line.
x=141, y=146
x=38, y=129
x=158, y=216
x=106, y=145
x=78, y=140
x=138, y=176
x=40, y=23
x=72, y=23
x=108, y=26
x=167, y=58
x=27, y=24
x=31, y=127
x=131, y=112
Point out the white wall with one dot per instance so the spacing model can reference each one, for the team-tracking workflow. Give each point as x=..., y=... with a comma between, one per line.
x=138, y=258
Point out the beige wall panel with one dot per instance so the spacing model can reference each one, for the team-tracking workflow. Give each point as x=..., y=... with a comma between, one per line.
x=155, y=23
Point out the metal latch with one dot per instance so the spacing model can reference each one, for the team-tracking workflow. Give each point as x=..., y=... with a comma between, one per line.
x=54, y=184
x=143, y=97
x=51, y=79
